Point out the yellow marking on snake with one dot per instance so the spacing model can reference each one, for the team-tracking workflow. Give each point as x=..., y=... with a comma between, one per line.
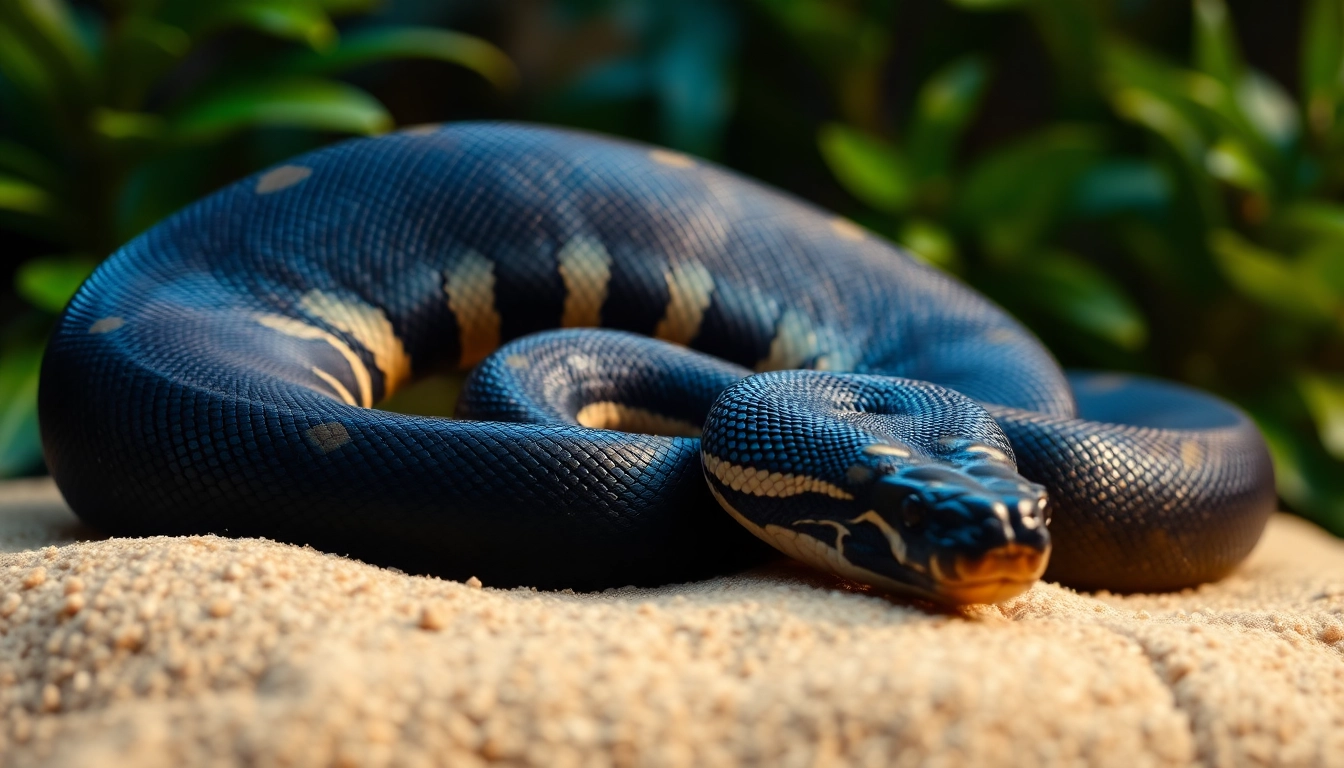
x=689, y=288
x=280, y=178
x=423, y=129
x=759, y=482
x=370, y=327
x=107, y=324
x=627, y=418
x=585, y=268
x=847, y=229
x=813, y=551
x=883, y=449
x=988, y=451
x=335, y=384
x=1192, y=454
x=795, y=341
x=300, y=330
x=894, y=539
x=470, y=286
x=671, y=159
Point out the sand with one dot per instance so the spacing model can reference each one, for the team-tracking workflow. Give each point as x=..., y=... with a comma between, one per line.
x=213, y=651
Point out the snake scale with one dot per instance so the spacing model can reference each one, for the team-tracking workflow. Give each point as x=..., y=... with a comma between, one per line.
x=655, y=341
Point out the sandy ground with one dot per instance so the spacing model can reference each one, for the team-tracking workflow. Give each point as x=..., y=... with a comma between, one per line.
x=175, y=651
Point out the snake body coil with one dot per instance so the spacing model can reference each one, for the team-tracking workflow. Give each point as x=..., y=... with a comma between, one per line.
x=218, y=374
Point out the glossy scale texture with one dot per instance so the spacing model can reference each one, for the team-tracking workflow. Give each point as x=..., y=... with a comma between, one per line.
x=215, y=374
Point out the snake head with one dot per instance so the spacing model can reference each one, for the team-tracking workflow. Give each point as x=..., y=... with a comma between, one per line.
x=962, y=528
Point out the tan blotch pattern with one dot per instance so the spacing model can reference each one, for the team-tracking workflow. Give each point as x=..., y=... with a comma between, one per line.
x=690, y=289
x=470, y=286
x=1192, y=454
x=107, y=324
x=329, y=436
x=988, y=451
x=370, y=327
x=280, y=178
x=794, y=343
x=1001, y=336
x=759, y=482
x=300, y=330
x=423, y=129
x=585, y=268
x=847, y=229
x=885, y=449
x=626, y=418
x=671, y=159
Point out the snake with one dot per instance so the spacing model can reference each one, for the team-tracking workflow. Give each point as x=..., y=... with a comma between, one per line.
x=672, y=371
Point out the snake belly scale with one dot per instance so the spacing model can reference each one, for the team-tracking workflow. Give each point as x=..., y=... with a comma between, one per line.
x=655, y=341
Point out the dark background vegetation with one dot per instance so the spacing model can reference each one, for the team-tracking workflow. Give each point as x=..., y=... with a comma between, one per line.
x=1152, y=185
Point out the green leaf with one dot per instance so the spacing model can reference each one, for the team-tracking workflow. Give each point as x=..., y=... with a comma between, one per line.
x=1085, y=298
x=944, y=107
x=1015, y=194
x=1272, y=280
x=1322, y=62
x=292, y=103
x=1162, y=117
x=1123, y=185
x=20, y=444
x=1311, y=219
x=46, y=29
x=21, y=196
x=48, y=282
x=302, y=21
x=930, y=241
x=375, y=44
x=118, y=125
x=32, y=81
x=1307, y=478
x=1268, y=109
x=1168, y=100
x=872, y=170
x=1323, y=262
x=1216, y=50
x=1229, y=161
x=1324, y=396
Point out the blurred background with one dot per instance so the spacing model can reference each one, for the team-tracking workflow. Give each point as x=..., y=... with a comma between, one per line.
x=1152, y=185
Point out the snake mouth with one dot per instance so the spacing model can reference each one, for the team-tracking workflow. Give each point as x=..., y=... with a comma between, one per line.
x=999, y=574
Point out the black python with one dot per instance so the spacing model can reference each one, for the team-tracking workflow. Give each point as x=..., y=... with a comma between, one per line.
x=842, y=401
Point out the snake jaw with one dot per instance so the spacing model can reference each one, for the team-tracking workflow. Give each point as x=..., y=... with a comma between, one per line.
x=999, y=574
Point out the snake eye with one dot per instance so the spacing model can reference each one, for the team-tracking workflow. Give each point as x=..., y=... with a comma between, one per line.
x=912, y=513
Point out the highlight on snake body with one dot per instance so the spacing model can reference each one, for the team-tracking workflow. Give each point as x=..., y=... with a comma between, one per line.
x=670, y=364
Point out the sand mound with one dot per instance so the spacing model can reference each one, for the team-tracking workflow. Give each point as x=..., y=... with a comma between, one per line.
x=172, y=651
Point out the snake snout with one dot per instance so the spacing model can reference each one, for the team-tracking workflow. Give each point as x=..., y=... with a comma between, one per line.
x=1001, y=551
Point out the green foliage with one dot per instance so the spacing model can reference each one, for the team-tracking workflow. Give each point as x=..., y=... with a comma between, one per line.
x=1141, y=202
x=111, y=117
x=1200, y=196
